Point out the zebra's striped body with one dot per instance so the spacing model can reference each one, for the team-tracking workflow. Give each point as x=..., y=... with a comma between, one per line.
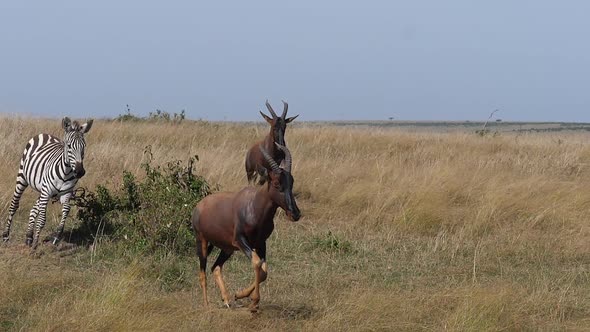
x=52, y=167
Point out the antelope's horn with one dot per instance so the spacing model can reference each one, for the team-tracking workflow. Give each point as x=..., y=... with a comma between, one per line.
x=274, y=115
x=285, y=107
x=288, y=160
x=269, y=159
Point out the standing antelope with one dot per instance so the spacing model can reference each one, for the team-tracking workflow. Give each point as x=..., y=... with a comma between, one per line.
x=256, y=164
x=243, y=221
x=52, y=167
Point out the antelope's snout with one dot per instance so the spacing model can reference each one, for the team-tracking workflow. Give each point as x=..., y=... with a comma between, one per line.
x=294, y=215
x=79, y=170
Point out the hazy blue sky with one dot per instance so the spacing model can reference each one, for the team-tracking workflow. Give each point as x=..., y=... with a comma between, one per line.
x=444, y=60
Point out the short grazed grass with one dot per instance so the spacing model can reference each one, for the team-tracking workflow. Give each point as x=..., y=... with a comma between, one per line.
x=402, y=230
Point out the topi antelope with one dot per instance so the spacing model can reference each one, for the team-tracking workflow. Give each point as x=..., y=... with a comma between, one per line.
x=243, y=221
x=256, y=164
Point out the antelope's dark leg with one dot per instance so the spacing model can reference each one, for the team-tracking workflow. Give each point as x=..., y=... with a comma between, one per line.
x=262, y=254
x=202, y=254
x=216, y=269
x=251, y=175
x=250, y=168
x=263, y=274
x=262, y=174
x=209, y=249
x=256, y=264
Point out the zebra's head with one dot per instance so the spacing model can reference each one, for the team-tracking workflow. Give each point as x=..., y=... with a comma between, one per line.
x=74, y=144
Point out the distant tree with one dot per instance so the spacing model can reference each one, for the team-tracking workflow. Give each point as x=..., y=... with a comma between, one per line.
x=483, y=131
x=486, y=123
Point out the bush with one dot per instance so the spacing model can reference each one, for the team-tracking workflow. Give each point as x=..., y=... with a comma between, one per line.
x=160, y=115
x=157, y=115
x=147, y=215
x=331, y=243
x=128, y=116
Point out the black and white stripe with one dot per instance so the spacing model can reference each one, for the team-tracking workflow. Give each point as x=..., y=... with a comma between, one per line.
x=52, y=167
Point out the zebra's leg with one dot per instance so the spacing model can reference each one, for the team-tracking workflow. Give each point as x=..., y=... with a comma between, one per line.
x=31, y=226
x=65, y=199
x=42, y=207
x=21, y=185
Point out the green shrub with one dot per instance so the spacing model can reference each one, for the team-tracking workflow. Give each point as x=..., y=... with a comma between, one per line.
x=148, y=215
x=331, y=243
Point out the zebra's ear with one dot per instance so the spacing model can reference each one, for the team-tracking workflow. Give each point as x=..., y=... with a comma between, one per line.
x=66, y=123
x=86, y=127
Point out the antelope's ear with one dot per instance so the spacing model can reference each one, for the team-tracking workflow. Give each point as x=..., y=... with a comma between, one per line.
x=66, y=123
x=86, y=127
x=291, y=118
x=266, y=117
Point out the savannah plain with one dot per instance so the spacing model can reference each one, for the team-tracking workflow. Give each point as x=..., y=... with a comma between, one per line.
x=403, y=229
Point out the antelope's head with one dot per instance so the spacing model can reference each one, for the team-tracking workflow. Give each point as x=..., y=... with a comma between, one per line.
x=280, y=184
x=278, y=124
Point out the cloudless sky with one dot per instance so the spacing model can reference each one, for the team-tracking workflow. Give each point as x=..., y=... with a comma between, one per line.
x=415, y=60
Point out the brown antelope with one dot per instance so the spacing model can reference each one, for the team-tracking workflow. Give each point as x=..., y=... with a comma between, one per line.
x=256, y=164
x=243, y=221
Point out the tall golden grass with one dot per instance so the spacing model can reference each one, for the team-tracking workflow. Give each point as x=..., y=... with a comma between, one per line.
x=401, y=231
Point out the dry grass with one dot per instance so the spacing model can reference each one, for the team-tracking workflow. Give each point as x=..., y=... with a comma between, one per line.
x=402, y=231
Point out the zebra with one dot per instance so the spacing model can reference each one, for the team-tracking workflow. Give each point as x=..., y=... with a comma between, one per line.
x=52, y=167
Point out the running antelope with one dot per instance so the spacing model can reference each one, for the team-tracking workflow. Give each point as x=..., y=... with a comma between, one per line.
x=243, y=221
x=256, y=164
